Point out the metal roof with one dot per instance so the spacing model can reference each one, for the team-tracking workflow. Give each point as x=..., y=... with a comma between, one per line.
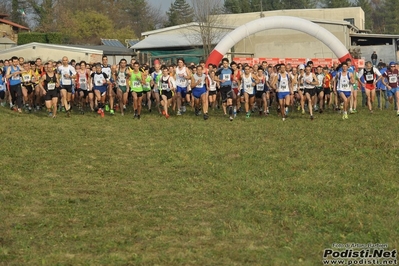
x=5, y=40
x=370, y=35
x=108, y=50
x=112, y=42
x=5, y=21
x=33, y=45
x=132, y=42
x=174, y=40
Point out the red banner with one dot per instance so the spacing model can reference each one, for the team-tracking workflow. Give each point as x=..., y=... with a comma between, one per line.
x=359, y=63
x=295, y=61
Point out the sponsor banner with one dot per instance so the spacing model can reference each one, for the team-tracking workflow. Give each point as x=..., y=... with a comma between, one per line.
x=359, y=63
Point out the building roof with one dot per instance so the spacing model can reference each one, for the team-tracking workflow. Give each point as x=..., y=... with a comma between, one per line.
x=5, y=40
x=108, y=50
x=33, y=45
x=112, y=42
x=370, y=35
x=173, y=40
x=5, y=21
x=182, y=26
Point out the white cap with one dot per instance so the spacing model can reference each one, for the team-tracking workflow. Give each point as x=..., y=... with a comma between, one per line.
x=301, y=66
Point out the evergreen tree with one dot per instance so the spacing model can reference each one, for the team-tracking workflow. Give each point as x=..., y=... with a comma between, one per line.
x=17, y=12
x=336, y=3
x=180, y=12
x=239, y=6
x=390, y=10
x=368, y=11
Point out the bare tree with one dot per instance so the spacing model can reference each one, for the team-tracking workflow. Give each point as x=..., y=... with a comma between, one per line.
x=207, y=14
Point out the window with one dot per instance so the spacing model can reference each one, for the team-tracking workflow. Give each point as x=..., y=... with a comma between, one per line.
x=350, y=20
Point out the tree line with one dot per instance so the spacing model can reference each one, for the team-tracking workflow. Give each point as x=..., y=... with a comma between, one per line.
x=85, y=22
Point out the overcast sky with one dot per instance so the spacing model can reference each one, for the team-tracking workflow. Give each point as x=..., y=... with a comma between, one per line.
x=163, y=4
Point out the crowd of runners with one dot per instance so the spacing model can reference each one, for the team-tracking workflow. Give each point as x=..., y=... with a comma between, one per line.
x=30, y=86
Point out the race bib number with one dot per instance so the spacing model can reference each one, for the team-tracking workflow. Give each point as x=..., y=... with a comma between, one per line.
x=66, y=81
x=200, y=85
x=345, y=85
x=15, y=78
x=260, y=87
x=369, y=77
x=122, y=82
x=182, y=80
x=136, y=84
x=51, y=86
x=393, y=79
x=83, y=86
x=146, y=85
x=99, y=82
x=248, y=86
x=165, y=87
x=26, y=78
x=226, y=77
x=82, y=80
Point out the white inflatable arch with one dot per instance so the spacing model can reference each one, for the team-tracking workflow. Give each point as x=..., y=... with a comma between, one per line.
x=278, y=22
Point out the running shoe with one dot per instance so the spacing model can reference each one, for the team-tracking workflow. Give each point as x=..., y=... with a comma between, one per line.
x=231, y=118
x=102, y=113
x=112, y=112
x=248, y=115
x=178, y=112
x=311, y=117
x=107, y=108
x=206, y=116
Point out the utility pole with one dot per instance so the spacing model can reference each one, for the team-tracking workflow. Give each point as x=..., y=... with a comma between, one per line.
x=261, y=9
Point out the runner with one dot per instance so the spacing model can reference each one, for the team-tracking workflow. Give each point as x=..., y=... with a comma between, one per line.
x=224, y=76
x=48, y=84
x=309, y=83
x=327, y=84
x=295, y=98
x=213, y=85
x=100, y=82
x=83, y=79
x=14, y=77
x=183, y=74
x=200, y=87
x=122, y=77
x=27, y=86
x=67, y=73
x=249, y=81
x=260, y=95
x=167, y=85
x=156, y=75
x=371, y=75
x=136, y=87
x=106, y=68
x=283, y=85
x=319, y=90
x=236, y=89
x=148, y=82
x=391, y=75
x=2, y=89
x=343, y=81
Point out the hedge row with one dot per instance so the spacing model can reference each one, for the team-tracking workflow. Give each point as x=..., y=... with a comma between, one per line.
x=51, y=37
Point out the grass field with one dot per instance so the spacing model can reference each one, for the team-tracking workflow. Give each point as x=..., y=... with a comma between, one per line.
x=87, y=190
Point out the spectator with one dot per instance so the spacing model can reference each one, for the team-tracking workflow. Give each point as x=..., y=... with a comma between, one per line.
x=374, y=58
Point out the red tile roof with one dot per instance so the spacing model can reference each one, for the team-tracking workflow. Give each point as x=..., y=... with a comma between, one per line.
x=13, y=24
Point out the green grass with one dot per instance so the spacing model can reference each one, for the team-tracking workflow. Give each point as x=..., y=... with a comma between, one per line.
x=184, y=191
